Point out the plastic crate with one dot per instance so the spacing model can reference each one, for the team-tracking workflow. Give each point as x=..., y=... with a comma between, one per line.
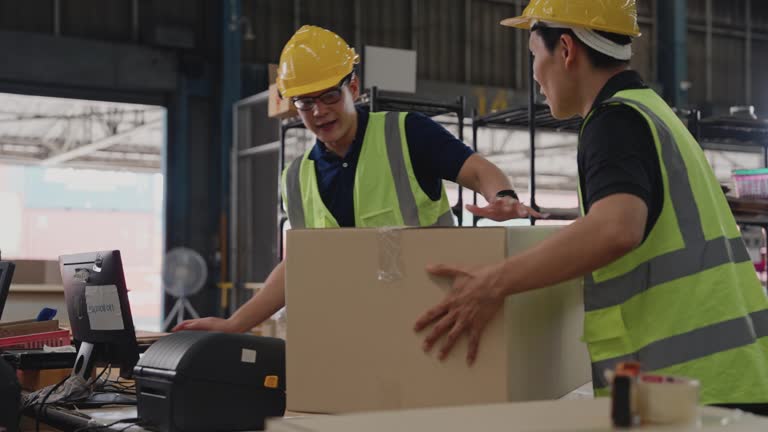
x=751, y=183
x=37, y=340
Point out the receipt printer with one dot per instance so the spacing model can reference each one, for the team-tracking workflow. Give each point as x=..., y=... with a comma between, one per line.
x=200, y=381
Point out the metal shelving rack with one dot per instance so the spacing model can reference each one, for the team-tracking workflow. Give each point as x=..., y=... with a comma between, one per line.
x=377, y=100
x=532, y=117
x=735, y=134
x=729, y=133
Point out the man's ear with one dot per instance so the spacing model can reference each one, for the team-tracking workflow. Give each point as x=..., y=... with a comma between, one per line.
x=569, y=49
x=354, y=87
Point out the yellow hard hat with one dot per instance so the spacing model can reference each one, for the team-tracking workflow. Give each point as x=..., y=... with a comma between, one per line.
x=613, y=16
x=313, y=59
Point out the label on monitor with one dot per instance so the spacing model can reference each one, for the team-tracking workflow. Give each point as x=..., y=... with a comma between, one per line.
x=103, y=307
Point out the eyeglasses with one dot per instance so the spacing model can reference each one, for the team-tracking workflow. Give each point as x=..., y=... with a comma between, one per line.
x=306, y=103
x=329, y=97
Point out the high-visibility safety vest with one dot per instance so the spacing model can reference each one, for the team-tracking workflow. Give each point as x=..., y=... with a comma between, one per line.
x=386, y=191
x=687, y=301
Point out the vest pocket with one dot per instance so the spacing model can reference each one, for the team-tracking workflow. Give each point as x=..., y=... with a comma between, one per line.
x=605, y=333
x=603, y=324
x=379, y=218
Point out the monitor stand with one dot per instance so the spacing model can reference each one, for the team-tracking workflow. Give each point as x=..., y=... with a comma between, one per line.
x=85, y=361
x=84, y=365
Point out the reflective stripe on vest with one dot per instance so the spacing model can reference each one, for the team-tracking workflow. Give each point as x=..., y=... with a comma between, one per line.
x=293, y=194
x=697, y=255
x=405, y=195
x=689, y=346
x=399, y=169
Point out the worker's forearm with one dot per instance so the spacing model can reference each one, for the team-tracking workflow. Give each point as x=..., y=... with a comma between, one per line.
x=577, y=250
x=264, y=303
x=492, y=181
x=483, y=177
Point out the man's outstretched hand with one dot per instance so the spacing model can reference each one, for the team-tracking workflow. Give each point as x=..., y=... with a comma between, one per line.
x=467, y=310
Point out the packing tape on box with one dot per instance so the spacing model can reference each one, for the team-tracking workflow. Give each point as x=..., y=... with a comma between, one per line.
x=667, y=400
x=390, y=268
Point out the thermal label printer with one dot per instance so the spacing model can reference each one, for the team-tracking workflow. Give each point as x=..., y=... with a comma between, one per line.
x=208, y=382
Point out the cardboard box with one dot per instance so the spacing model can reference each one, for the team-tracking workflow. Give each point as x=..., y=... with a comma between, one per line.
x=27, y=327
x=272, y=72
x=353, y=296
x=25, y=301
x=39, y=272
x=32, y=380
x=278, y=107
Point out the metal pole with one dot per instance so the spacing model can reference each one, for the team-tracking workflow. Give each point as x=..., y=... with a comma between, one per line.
x=765, y=155
x=748, y=54
x=467, y=41
x=654, y=43
x=296, y=14
x=532, y=132
x=358, y=27
x=135, y=20
x=57, y=17
x=693, y=123
x=414, y=24
x=708, y=48
x=374, y=99
x=520, y=52
x=233, y=212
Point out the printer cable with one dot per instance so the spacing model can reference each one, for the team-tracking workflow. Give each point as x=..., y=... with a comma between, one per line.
x=42, y=404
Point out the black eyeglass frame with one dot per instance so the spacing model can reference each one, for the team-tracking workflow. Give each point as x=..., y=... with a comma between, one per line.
x=328, y=97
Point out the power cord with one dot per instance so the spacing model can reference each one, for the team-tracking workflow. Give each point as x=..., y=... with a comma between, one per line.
x=43, y=403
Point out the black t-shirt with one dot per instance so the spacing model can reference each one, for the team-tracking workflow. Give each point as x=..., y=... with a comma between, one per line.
x=617, y=153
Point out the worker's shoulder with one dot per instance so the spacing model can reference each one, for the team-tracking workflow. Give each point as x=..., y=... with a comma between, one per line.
x=613, y=116
x=420, y=122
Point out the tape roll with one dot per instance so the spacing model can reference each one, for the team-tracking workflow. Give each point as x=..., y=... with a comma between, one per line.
x=667, y=400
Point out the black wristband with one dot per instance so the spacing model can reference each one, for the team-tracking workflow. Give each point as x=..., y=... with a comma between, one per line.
x=507, y=193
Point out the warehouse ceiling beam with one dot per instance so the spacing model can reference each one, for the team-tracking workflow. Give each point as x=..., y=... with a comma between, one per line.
x=104, y=143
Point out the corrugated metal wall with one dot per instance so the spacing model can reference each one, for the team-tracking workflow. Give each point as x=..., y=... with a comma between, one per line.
x=495, y=49
x=440, y=39
x=334, y=14
x=457, y=40
x=697, y=74
x=442, y=30
x=728, y=72
x=760, y=54
x=388, y=24
x=273, y=24
x=36, y=17
x=114, y=21
x=436, y=28
x=110, y=19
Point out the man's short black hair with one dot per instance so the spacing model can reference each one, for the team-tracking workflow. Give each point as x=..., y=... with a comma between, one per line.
x=551, y=37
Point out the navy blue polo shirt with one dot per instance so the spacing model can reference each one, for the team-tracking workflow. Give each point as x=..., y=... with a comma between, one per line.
x=436, y=155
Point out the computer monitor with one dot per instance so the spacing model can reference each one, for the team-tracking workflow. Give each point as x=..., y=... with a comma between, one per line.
x=6, y=274
x=99, y=312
